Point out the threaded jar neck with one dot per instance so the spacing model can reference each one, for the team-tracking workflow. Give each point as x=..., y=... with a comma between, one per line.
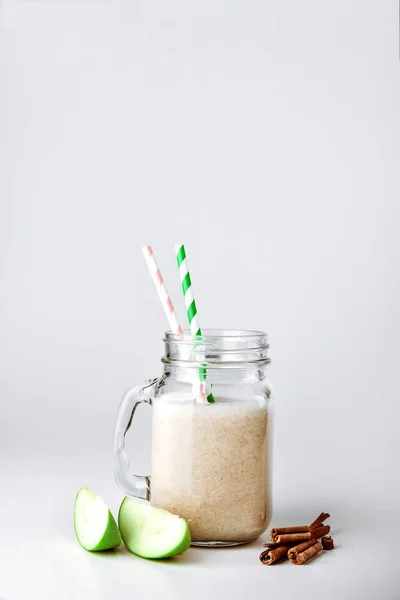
x=217, y=349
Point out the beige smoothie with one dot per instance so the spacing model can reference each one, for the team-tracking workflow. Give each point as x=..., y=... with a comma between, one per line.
x=210, y=466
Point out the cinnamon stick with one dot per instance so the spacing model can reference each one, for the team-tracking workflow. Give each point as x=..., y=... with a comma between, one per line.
x=289, y=538
x=304, y=552
x=327, y=543
x=272, y=555
x=298, y=533
x=283, y=530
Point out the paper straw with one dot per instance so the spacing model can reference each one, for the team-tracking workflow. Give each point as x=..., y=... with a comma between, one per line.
x=191, y=308
x=162, y=290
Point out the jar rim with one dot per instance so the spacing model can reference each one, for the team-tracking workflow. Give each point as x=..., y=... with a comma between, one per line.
x=211, y=334
x=219, y=347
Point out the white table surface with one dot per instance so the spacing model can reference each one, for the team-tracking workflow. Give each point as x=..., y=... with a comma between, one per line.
x=40, y=558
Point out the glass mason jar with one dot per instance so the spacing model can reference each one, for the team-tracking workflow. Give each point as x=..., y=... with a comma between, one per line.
x=210, y=461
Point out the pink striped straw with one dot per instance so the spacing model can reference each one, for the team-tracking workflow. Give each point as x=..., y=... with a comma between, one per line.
x=162, y=290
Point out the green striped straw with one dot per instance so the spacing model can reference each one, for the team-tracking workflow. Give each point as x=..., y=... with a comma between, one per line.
x=191, y=308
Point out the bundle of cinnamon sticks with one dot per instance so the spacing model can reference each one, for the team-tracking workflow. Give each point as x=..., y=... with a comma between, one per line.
x=299, y=543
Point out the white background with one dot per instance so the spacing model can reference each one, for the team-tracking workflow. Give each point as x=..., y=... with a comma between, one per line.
x=265, y=136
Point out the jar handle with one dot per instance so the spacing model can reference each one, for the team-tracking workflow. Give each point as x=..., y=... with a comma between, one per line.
x=131, y=484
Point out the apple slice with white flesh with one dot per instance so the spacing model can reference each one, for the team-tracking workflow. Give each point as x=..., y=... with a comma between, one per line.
x=95, y=527
x=152, y=532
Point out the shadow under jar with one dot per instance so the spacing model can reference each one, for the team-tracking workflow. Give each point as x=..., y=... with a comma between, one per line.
x=210, y=461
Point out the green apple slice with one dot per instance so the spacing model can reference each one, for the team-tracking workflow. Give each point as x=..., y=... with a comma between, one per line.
x=152, y=532
x=95, y=527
